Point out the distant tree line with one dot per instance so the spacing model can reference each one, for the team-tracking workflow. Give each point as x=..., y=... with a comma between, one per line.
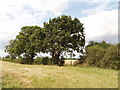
x=97, y=54
x=102, y=54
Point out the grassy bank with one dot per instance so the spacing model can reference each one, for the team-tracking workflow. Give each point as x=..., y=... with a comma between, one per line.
x=44, y=76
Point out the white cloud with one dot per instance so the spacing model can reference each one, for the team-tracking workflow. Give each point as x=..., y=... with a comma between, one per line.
x=28, y=12
x=103, y=23
x=40, y=5
x=13, y=15
x=17, y=13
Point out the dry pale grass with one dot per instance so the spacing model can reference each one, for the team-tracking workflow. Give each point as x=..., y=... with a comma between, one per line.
x=44, y=76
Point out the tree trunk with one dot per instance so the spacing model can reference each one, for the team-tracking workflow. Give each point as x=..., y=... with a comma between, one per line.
x=29, y=58
x=56, y=58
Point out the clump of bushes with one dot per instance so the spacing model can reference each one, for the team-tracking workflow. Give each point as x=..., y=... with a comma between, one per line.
x=37, y=61
x=102, y=55
x=44, y=61
x=23, y=61
x=7, y=59
x=7, y=56
x=15, y=60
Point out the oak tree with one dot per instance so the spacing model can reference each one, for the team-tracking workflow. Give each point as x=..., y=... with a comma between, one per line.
x=27, y=43
x=63, y=34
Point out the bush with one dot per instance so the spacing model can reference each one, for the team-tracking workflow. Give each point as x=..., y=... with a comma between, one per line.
x=38, y=60
x=7, y=56
x=105, y=57
x=7, y=59
x=45, y=61
x=94, y=55
x=111, y=57
x=19, y=60
x=50, y=61
x=27, y=61
x=82, y=59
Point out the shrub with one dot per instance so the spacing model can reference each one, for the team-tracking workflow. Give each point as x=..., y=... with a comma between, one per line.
x=22, y=61
x=111, y=57
x=103, y=55
x=27, y=61
x=45, y=60
x=19, y=60
x=50, y=61
x=7, y=56
x=38, y=60
x=82, y=59
x=7, y=59
x=94, y=55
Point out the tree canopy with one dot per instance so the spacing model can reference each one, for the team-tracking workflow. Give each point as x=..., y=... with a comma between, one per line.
x=58, y=36
x=63, y=34
x=102, y=54
x=27, y=43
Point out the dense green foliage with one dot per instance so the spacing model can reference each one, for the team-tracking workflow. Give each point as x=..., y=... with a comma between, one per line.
x=7, y=56
x=98, y=54
x=37, y=61
x=58, y=36
x=43, y=60
x=64, y=34
x=102, y=55
x=17, y=60
x=26, y=43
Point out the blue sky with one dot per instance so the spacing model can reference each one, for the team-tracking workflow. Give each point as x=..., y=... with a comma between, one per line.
x=75, y=8
x=100, y=19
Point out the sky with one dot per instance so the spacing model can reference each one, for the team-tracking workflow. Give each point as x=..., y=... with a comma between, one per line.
x=99, y=17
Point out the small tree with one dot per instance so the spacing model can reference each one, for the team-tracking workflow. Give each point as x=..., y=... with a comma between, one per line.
x=103, y=55
x=111, y=57
x=26, y=43
x=94, y=55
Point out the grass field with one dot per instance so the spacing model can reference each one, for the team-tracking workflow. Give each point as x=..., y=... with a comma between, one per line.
x=40, y=76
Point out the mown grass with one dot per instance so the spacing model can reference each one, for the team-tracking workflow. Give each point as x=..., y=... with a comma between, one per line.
x=44, y=76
